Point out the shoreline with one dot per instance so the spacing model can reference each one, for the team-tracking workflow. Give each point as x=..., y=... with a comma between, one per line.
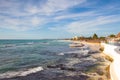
x=113, y=52
x=95, y=46
x=78, y=66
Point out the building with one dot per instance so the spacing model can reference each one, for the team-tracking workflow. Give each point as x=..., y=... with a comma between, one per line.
x=75, y=38
x=118, y=35
x=114, y=40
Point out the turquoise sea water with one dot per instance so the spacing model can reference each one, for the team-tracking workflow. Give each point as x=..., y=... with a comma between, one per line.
x=22, y=54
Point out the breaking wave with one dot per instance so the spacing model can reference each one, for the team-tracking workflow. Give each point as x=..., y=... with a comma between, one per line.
x=20, y=73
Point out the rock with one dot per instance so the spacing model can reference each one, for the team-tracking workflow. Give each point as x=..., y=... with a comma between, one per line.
x=100, y=59
x=86, y=63
x=100, y=72
x=100, y=79
x=55, y=66
x=93, y=52
x=51, y=66
x=67, y=68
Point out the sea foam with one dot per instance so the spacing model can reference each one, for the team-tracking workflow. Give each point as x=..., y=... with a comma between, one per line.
x=21, y=73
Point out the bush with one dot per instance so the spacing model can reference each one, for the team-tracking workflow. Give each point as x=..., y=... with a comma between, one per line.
x=109, y=58
x=101, y=49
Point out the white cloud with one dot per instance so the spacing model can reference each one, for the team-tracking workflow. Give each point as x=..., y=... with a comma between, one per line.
x=37, y=21
x=23, y=24
x=58, y=28
x=33, y=10
x=52, y=6
x=25, y=16
x=78, y=15
x=21, y=16
x=49, y=7
x=91, y=25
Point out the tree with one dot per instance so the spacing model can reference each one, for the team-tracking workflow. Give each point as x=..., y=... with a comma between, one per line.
x=112, y=36
x=102, y=38
x=95, y=36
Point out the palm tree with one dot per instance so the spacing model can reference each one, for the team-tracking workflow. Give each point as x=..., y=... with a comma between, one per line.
x=95, y=36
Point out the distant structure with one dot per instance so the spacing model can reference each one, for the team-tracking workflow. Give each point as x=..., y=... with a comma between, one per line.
x=115, y=39
x=118, y=35
x=75, y=38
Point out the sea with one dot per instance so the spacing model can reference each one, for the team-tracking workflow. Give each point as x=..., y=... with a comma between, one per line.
x=21, y=56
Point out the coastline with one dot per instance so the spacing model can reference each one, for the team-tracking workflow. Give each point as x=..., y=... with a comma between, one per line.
x=77, y=66
x=113, y=52
x=105, y=66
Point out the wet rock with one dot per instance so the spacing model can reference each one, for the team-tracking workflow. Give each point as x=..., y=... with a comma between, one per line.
x=77, y=55
x=100, y=59
x=93, y=52
x=79, y=77
x=85, y=63
x=67, y=68
x=55, y=66
x=52, y=66
x=100, y=79
x=100, y=72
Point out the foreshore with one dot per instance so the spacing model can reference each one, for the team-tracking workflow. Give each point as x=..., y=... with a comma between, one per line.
x=105, y=65
x=113, y=51
x=78, y=65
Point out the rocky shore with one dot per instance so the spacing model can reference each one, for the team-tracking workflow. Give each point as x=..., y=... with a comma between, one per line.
x=88, y=63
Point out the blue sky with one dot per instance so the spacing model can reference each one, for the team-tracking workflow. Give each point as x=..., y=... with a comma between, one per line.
x=38, y=19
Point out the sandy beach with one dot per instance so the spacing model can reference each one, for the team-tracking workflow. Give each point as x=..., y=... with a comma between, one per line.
x=78, y=65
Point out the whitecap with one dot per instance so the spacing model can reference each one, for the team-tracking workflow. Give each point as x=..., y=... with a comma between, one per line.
x=46, y=43
x=7, y=45
x=11, y=74
x=61, y=54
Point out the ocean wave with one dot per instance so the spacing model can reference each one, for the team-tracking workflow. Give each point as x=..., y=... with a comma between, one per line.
x=85, y=49
x=61, y=54
x=7, y=45
x=28, y=43
x=44, y=43
x=16, y=45
x=63, y=41
x=20, y=73
x=77, y=53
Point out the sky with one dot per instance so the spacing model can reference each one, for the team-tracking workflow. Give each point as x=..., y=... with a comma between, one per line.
x=48, y=19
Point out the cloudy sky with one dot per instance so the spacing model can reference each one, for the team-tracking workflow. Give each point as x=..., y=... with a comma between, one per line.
x=38, y=19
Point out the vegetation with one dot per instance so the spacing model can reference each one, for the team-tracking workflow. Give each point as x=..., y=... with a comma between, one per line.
x=102, y=38
x=101, y=49
x=95, y=39
x=112, y=36
x=95, y=36
x=108, y=71
x=109, y=58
